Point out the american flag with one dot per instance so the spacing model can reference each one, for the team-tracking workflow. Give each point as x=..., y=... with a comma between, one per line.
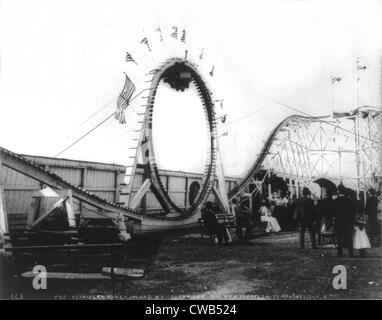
x=146, y=42
x=124, y=99
x=175, y=32
x=130, y=58
x=183, y=38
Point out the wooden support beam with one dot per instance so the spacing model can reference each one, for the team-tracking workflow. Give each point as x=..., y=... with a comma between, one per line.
x=186, y=194
x=65, y=247
x=84, y=174
x=3, y=216
x=140, y=194
x=70, y=210
x=219, y=197
x=126, y=272
x=33, y=211
x=69, y=276
x=3, y=213
x=46, y=214
x=117, y=186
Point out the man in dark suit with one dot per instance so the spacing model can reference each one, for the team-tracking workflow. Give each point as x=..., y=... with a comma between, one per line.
x=344, y=214
x=371, y=210
x=325, y=207
x=212, y=224
x=305, y=212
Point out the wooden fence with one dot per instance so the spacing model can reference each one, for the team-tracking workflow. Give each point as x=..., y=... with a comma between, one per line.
x=102, y=179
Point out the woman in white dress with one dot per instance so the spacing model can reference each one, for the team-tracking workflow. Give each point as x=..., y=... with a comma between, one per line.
x=360, y=239
x=266, y=216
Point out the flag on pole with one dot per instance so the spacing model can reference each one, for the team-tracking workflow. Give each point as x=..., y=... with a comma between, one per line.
x=124, y=99
x=130, y=58
x=201, y=54
x=212, y=71
x=146, y=42
x=336, y=79
x=175, y=32
x=183, y=38
x=223, y=118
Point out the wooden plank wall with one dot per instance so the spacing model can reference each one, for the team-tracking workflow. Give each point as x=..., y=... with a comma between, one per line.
x=99, y=178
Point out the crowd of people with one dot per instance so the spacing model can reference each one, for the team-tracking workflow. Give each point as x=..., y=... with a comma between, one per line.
x=344, y=215
x=339, y=213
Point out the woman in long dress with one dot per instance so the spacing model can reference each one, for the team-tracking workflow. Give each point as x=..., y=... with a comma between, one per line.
x=266, y=216
x=360, y=239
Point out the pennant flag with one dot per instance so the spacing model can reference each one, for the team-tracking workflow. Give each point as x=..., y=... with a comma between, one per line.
x=175, y=32
x=183, y=39
x=212, y=71
x=160, y=33
x=124, y=99
x=130, y=58
x=336, y=79
x=201, y=54
x=146, y=42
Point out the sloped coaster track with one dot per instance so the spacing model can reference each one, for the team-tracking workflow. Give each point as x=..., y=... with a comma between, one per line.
x=257, y=165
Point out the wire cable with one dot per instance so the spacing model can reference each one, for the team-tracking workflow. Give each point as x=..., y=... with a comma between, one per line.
x=303, y=112
x=94, y=128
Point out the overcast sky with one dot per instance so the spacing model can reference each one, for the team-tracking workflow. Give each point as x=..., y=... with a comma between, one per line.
x=61, y=61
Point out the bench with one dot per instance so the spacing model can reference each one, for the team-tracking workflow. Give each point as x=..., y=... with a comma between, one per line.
x=227, y=219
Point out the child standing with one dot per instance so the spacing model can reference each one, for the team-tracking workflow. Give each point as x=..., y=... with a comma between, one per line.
x=360, y=238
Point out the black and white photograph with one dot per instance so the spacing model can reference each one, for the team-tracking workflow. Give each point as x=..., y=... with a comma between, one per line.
x=190, y=150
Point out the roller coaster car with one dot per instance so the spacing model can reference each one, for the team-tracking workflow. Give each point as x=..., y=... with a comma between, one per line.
x=178, y=77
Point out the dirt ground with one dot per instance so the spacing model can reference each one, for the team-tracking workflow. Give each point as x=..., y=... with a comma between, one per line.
x=266, y=267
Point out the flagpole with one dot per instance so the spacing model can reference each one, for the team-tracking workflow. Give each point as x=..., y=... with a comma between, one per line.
x=357, y=83
x=332, y=90
x=356, y=122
